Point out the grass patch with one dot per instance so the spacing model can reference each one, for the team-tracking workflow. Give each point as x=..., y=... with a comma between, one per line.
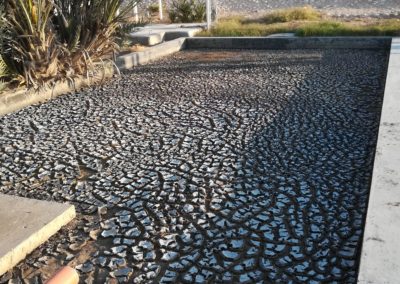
x=306, y=13
x=235, y=27
x=304, y=21
x=335, y=28
x=239, y=26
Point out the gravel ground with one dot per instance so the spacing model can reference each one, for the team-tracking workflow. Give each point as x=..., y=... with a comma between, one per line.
x=339, y=8
x=211, y=166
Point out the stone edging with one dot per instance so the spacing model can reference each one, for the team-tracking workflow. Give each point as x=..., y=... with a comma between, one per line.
x=20, y=98
x=283, y=43
x=138, y=58
x=380, y=255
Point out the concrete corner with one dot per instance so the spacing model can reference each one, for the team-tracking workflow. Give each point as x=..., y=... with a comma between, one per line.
x=147, y=39
x=27, y=223
x=152, y=53
x=151, y=35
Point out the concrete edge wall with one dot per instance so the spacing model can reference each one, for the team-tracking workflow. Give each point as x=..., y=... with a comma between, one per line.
x=150, y=54
x=380, y=254
x=20, y=98
x=19, y=252
x=288, y=43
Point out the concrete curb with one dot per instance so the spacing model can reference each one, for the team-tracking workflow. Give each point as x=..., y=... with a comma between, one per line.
x=147, y=40
x=150, y=54
x=20, y=98
x=25, y=224
x=158, y=36
x=380, y=255
x=285, y=43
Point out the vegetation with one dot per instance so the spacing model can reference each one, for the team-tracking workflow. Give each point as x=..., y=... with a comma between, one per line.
x=34, y=52
x=3, y=73
x=2, y=25
x=49, y=40
x=122, y=37
x=303, y=22
x=306, y=13
x=3, y=67
x=88, y=29
x=237, y=26
x=153, y=8
x=187, y=11
x=389, y=27
x=42, y=41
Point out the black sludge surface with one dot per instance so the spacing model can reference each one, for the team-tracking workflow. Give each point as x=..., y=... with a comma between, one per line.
x=218, y=167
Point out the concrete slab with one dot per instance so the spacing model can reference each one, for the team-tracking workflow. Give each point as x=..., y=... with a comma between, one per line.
x=177, y=26
x=127, y=61
x=27, y=223
x=283, y=35
x=154, y=34
x=380, y=255
x=170, y=35
x=147, y=39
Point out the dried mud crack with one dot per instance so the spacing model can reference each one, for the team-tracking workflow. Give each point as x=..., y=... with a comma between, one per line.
x=245, y=167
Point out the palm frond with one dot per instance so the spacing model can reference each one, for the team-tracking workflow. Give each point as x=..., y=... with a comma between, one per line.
x=33, y=48
x=3, y=68
x=52, y=39
x=88, y=29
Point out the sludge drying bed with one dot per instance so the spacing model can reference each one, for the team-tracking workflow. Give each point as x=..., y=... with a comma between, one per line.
x=218, y=166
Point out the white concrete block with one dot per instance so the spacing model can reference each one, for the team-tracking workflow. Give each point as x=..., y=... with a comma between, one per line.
x=380, y=255
x=27, y=223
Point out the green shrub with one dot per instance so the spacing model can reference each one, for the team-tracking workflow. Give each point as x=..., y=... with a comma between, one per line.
x=153, y=8
x=123, y=38
x=187, y=11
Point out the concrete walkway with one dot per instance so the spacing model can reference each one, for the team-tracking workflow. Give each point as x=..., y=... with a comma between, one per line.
x=157, y=33
x=380, y=259
x=27, y=223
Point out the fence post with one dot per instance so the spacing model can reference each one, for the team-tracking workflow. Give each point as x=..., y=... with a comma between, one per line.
x=136, y=13
x=160, y=9
x=208, y=8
